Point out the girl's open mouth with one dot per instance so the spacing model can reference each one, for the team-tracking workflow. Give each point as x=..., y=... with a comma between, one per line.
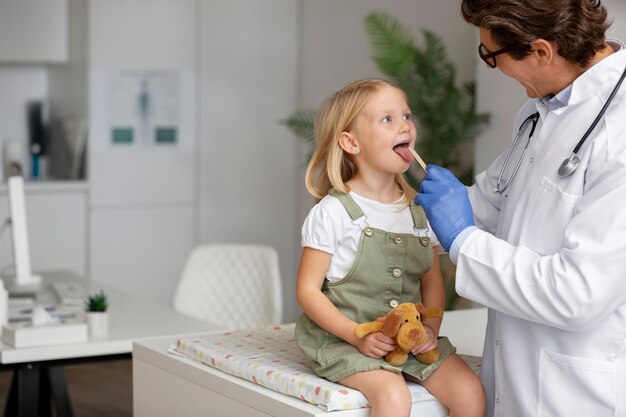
x=402, y=149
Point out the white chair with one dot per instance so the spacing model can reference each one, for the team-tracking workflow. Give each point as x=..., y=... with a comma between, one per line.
x=231, y=286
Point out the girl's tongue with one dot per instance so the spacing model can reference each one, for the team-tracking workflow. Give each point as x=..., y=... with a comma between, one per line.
x=403, y=151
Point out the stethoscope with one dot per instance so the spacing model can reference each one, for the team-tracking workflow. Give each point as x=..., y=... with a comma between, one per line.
x=569, y=165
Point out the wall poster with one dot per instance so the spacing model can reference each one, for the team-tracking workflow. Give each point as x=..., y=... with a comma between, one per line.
x=141, y=108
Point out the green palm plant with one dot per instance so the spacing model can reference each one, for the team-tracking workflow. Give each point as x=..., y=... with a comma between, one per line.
x=301, y=123
x=445, y=114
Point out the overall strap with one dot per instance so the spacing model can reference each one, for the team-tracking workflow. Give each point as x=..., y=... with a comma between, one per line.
x=348, y=203
x=419, y=217
x=417, y=212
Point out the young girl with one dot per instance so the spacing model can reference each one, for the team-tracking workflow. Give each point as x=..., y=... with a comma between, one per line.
x=367, y=248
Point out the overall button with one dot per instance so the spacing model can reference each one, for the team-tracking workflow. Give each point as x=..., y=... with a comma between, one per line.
x=368, y=231
x=393, y=303
x=397, y=272
x=398, y=240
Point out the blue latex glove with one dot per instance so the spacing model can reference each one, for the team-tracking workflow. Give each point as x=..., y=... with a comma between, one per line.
x=446, y=203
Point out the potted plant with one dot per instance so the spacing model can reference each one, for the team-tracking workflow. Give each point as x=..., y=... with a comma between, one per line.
x=97, y=315
x=445, y=114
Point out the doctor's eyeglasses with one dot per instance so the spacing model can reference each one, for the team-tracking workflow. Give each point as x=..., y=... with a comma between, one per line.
x=506, y=177
x=490, y=57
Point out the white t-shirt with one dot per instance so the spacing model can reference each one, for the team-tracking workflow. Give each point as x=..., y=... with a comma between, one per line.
x=329, y=228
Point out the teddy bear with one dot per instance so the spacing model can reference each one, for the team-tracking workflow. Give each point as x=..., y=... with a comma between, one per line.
x=404, y=324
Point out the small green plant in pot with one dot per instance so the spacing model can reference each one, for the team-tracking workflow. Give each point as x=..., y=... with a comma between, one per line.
x=97, y=302
x=97, y=315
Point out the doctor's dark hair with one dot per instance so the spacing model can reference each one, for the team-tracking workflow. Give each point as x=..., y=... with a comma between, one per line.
x=330, y=166
x=577, y=27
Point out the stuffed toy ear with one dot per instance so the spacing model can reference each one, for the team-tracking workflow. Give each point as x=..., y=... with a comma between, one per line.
x=428, y=313
x=434, y=313
x=421, y=309
x=392, y=323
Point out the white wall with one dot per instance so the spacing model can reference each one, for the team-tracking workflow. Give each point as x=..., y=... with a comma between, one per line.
x=248, y=165
x=502, y=96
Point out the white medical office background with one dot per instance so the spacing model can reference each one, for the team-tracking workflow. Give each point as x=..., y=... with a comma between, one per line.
x=239, y=178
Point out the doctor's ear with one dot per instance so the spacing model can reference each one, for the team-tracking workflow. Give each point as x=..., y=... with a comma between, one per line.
x=348, y=143
x=543, y=51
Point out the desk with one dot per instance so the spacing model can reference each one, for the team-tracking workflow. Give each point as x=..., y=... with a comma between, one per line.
x=130, y=318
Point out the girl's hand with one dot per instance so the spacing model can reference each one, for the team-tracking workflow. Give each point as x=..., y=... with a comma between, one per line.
x=429, y=344
x=376, y=345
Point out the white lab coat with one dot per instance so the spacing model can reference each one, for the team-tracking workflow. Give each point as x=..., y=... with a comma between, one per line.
x=549, y=261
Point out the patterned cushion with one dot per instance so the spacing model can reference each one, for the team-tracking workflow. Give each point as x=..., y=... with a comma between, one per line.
x=271, y=358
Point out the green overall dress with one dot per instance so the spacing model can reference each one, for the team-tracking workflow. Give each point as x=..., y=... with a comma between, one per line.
x=386, y=272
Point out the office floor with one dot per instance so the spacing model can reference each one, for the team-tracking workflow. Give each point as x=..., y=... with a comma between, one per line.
x=100, y=389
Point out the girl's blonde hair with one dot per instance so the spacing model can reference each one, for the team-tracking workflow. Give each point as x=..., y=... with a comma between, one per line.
x=330, y=166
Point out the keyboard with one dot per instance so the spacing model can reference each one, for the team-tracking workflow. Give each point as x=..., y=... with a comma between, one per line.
x=70, y=293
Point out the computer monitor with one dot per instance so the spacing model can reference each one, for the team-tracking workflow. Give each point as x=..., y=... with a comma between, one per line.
x=24, y=278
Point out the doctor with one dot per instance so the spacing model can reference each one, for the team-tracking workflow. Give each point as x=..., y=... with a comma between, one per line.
x=539, y=240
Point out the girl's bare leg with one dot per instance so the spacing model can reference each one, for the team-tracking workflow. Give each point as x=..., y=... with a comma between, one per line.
x=386, y=392
x=457, y=387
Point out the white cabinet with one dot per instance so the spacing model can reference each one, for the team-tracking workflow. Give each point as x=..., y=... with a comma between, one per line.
x=56, y=216
x=33, y=30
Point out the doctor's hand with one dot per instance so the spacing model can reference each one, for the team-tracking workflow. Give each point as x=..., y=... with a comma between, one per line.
x=446, y=203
